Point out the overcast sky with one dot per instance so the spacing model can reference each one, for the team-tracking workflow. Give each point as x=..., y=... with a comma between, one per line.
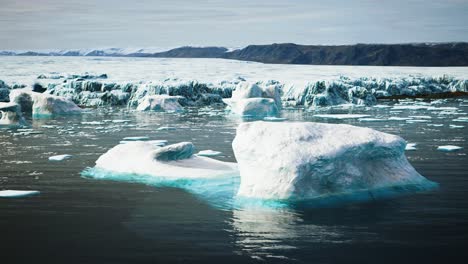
x=67, y=24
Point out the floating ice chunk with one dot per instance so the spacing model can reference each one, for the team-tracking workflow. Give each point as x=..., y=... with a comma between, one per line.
x=159, y=142
x=371, y=119
x=341, y=116
x=16, y=193
x=165, y=128
x=409, y=107
x=135, y=138
x=60, y=157
x=256, y=107
x=42, y=104
x=97, y=123
x=143, y=157
x=410, y=146
x=449, y=148
x=160, y=103
x=48, y=126
x=456, y=126
x=418, y=121
x=435, y=125
x=309, y=160
x=382, y=106
x=396, y=118
x=461, y=119
x=118, y=121
x=274, y=119
x=209, y=153
x=421, y=117
x=10, y=115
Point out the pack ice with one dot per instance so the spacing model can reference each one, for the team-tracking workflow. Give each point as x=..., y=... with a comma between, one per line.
x=173, y=161
x=42, y=104
x=298, y=161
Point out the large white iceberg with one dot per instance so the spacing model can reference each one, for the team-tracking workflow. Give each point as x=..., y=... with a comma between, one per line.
x=173, y=161
x=251, y=99
x=10, y=115
x=160, y=103
x=42, y=104
x=298, y=161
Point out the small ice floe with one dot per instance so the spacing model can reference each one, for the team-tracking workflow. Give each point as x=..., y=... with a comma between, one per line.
x=166, y=128
x=209, y=153
x=417, y=121
x=461, y=119
x=410, y=146
x=341, y=116
x=409, y=107
x=274, y=119
x=449, y=148
x=370, y=119
x=421, y=117
x=435, y=125
x=95, y=123
x=16, y=193
x=118, y=121
x=135, y=138
x=456, y=126
x=60, y=157
x=159, y=142
x=381, y=106
x=396, y=118
x=48, y=126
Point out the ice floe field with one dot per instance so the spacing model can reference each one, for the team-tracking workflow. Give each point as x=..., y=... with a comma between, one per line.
x=149, y=177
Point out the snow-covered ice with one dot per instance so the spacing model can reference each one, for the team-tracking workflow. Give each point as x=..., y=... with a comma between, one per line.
x=42, y=104
x=173, y=161
x=309, y=160
x=10, y=115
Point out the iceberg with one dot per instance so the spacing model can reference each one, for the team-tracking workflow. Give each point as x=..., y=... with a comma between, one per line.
x=410, y=146
x=251, y=99
x=16, y=193
x=255, y=107
x=10, y=115
x=173, y=161
x=160, y=103
x=41, y=104
x=300, y=161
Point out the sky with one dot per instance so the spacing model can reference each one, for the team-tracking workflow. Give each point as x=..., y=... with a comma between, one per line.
x=74, y=24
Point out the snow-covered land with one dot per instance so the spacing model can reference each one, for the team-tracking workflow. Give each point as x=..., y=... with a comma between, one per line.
x=93, y=81
x=297, y=161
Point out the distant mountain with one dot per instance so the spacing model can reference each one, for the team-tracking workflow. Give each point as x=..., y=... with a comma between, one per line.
x=447, y=54
x=417, y=54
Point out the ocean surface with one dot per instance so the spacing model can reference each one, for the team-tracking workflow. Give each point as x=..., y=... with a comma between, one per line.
x=80, y=219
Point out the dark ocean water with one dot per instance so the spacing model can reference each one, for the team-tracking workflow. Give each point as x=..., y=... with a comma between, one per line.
x=77, y=219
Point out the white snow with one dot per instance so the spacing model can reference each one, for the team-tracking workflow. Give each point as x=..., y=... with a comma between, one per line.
x=307, y=160
x=449, y=148
x=60, y=157
x=16, y=193
x=140, y=157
